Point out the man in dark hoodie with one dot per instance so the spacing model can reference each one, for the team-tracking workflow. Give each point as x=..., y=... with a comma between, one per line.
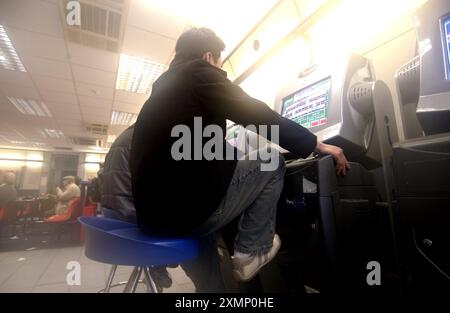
x=198, y=196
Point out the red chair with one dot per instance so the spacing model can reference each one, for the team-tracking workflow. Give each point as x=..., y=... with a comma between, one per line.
x=25, y=211
x=88, y=210
x=67, y=219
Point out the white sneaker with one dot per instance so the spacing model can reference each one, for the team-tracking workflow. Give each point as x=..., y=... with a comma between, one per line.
x=245, y=268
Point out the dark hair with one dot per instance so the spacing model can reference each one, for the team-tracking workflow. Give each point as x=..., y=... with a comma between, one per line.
x=195, y=42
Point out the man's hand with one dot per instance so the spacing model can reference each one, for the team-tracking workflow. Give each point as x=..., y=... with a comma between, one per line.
x=342, y=165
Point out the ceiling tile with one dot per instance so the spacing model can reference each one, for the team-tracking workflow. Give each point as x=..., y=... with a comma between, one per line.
x=37, y=65
x=19, y=91
x=37, y=16
x=72, y=122
x=64, y=113
x=13, y=116
x=61, y=118
x=147, y=45
x=75, y=132
x=96, y=115
x=51, y=83
x=95, y=103
x=98, y=119
x=93, y=76
x=29, y=43
x=116, y=129
x=59, y=97
x=127, y=107
x=62, y=106
x=73, y=125
x=94, y=58
x=147, y=16
x=130, y=97
x=16, y=78
x=94, y=91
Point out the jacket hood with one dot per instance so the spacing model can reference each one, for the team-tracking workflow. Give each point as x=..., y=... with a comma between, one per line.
x=182, y=59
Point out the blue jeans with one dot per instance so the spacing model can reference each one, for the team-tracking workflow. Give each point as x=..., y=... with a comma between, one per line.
x=254, y=195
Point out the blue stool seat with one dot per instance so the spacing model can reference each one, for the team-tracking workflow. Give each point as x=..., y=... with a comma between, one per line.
x=120, y=243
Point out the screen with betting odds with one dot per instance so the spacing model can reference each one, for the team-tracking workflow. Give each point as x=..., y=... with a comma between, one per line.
x=309, y=106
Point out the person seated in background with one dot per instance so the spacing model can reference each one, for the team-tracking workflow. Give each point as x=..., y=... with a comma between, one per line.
x=116, y=198
x=115, y=180
x=8, y=195
x=8, y=192
x=78, y=181
x=64, y=195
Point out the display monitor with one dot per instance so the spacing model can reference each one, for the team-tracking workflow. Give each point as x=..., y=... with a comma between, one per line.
x=432, y=23
x=446, y=42
x=309, y=106
x=338, y=100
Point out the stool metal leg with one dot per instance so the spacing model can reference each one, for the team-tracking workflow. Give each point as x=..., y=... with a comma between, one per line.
x=129, y=285
x=110, y=278
x=151, y=286
x=131, y=280
x=136, y=282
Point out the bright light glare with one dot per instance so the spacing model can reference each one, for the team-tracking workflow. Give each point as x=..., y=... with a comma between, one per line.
x=278, y=71
x=355, y=24
x=12, y=154
x=35, y=156
x=94, y=158
x=231, y=19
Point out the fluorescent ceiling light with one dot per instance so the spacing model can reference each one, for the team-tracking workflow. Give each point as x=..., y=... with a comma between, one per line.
x=30, y=107
x=137, y=75
x=52, y=133
x=123, y=118
x=8, y=56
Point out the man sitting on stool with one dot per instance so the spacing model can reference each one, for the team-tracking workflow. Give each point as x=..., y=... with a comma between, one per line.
x=198, y=196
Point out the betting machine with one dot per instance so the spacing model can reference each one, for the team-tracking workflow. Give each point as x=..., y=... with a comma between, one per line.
x=422, y=161
x=332, y=227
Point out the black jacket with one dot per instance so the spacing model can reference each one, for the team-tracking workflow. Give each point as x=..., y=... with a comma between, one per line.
x=173, y=197
x=116, y=178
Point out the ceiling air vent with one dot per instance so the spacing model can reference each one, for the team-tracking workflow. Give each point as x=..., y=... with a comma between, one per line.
x=97, y=129
x=84, y=141
x=102, y=23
